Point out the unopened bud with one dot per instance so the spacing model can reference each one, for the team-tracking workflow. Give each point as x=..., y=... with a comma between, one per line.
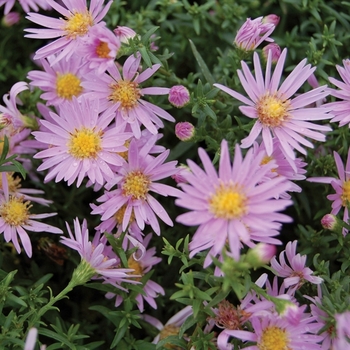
x=184, y=131
x=275, y=52
x=179, y=96
x=272, y=19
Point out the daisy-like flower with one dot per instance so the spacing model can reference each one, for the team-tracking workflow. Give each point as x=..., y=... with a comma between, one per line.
x=10, y=116
x=124, y=93
x=26, y=5
x=135, y=181
x=277, y=333
x=96, y=254
x=341, y=198
x=342, y=340
x=60, y=81
x=231, y=204
x=296, y=274
x=80, y=144
x=340, y=109
x=16, y=219
x=100, y=48
x=142, y=265
x=70, y=29
x=275, y=111
x=172, y=326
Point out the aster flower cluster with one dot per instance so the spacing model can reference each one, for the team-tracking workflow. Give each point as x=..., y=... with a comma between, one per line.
x=100, y=128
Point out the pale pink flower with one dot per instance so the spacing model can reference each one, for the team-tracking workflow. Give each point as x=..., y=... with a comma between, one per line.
x=275, y=111
x=143, y=265
x=16, y=219
x=341, y=198
x=297, y=273
x=342, y=340
x=70, y=29
x=97, y=255
x=125, y=95
x=135, y=181
x=230, y=205
x=59, y=81
x=100, y=48
x=80, y=144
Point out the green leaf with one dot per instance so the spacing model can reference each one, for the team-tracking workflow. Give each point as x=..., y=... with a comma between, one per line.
x=202, y=65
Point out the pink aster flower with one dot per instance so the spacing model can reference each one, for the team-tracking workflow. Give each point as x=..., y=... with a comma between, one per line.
x=341, y=185
x=60, y=81
x=100, y=48
x=70, y=29
x=340, y=109
x=135, y=181
x=16, y=219
x=80, y=144
x=142, y=265
x=96, y=254
x=26, y=5
x=342, y=340
x=172, y=326
x=271, y=332
x=124, y=93
x=10, y=116
x=230, y=204
x=253, y=33
x=296, y=274
x=275, y=111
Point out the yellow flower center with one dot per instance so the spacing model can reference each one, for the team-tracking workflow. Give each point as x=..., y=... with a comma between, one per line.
x=136, y=184
x=119, y=215
x=274, y=338
x=138, y=269
x=102, y=50
x=68, y=85
x=167, y=331
x=15, y=212
x=85, y=143
x=126, y=92
x=13, y=183
x=78, y=24
x=228, y=202
x=272, y=110
x=345, y=197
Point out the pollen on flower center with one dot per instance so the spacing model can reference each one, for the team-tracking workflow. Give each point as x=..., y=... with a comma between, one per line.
x=345, y=196
x=78, y=24
x=230, y=317
x=15, y=212
x=138, y=269
x=126, y=92
x=136, y=184
x=274, y=338
x=272, y=111
x=228, y=202
x=119, y=215
x=85, y=143
x=102, y=50
x=68, y=85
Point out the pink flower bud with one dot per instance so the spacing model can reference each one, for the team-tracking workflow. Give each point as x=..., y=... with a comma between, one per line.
x=180, y=176
x=275, y=52
x=184, y=131
x=179, y=96
x=330, y=222
x=124, y=33
x=273, y=19
x=265, y=252
x=10, y=19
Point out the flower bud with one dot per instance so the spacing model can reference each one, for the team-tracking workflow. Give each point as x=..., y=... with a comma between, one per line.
x=10, y=19
x=330, y=222
x=272, y=19
x=179, y=96
x=261, y=254
x=275, y=52
x=124, y=33
x=184, y=131
x=180, y=176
